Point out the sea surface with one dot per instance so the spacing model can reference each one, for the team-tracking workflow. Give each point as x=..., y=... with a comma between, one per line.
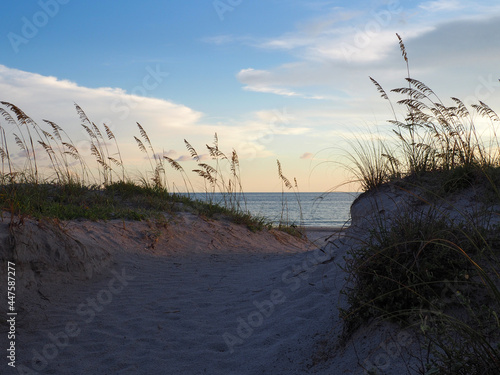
x=307, y=209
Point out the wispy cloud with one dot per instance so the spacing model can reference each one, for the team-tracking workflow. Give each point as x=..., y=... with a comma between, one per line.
x=202, y=157
x=185, y=158
x=441, y=5
x=268, y=82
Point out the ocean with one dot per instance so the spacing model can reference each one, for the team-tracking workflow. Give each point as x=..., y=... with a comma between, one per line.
x=318, y=209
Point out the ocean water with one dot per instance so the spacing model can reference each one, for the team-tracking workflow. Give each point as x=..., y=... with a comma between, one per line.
x=318, y=209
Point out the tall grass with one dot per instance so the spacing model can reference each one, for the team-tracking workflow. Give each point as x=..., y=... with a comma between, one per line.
x=285, y=223
x=371, y=162
x=424, y=268
x=216, y=177
x=431, y=136
x=50, y=163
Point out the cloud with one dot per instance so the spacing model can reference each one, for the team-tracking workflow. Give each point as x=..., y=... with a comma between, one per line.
x=185, y=158
x=49, y=97
x=203, y=157
x=170, y=153
x=333, y=61
x=441, y=5
x=307, y=155
x=261, y=81
x=330, y=54
x=467, y=41
x=166, y=123
x=271, y=83
x=270, y=90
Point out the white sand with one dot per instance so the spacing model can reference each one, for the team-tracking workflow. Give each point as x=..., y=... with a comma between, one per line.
x=194, y=297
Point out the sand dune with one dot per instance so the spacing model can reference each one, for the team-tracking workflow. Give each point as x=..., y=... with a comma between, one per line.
x=189, y=296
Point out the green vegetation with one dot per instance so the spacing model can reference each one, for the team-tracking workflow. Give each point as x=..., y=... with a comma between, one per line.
x=425, y=269
x=118, y=200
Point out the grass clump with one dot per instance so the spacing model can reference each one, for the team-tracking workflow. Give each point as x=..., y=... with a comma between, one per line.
x=438, y=277
x=69, y=202
x=50, y=177
x=404, y=268
x=119, y=200
x=432, y=136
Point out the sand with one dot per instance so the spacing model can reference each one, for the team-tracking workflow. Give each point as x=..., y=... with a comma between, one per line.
x=189, y=296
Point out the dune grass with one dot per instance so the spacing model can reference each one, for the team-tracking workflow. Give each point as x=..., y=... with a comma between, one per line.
x=285, y=223
x=44, y=174
x=431, y=136
x=425, y=269
x=438, y=277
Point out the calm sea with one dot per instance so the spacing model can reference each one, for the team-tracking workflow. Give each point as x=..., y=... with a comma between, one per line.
x=318, y=209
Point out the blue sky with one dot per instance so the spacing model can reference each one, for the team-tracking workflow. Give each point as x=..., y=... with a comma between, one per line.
x=276, y=79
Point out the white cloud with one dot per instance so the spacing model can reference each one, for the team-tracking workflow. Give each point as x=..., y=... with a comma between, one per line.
x=271, y=83
x=286, y=42
x=52, y=98
x=441, y=5
x=270, y=90
x=167, y=123
x=258, y=81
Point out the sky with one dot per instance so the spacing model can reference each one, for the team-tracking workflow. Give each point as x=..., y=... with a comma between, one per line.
x=275, y=79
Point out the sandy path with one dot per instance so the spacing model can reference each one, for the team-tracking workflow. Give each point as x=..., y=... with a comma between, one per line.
x=195, y=296
x=197, y=313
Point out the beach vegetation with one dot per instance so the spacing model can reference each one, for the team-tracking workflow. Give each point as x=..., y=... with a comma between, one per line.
x=44, y=175
x=423, y=268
